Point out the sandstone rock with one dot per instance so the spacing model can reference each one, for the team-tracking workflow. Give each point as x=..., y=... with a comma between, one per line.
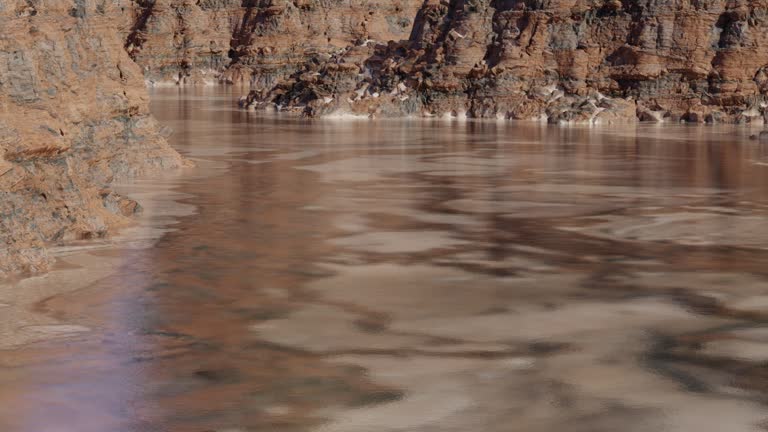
x=73, y=117
x=673, y=59
x=181, y=41
x=693, y=61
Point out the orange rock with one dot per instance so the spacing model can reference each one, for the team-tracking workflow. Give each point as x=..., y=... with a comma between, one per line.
x=69, y=97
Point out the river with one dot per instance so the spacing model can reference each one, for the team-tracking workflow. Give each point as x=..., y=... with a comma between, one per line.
x=408, y=275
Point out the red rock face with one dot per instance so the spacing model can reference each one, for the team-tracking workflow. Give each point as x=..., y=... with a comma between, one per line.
x=563, y=60
x=258, y=41
x=73, y=117
x=182, y=41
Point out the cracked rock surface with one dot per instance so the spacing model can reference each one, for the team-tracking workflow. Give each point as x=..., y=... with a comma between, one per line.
x=73, y=118
x=587, y=61
x=582, y=61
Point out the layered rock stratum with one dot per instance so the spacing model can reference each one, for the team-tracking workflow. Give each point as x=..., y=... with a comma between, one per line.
x=74, y=117
x=259, y=42
x=558, y=60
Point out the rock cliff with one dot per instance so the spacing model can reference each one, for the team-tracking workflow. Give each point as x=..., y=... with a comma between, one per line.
x=181, y=41
x=73, y=118
x=254, y=41
x=560, y=60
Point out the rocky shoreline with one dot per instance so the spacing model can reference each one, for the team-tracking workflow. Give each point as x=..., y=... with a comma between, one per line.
x=558, y=61
x=75, y=118
x=562, y=61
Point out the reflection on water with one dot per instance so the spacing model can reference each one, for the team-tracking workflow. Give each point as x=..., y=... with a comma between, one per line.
x=413, y=276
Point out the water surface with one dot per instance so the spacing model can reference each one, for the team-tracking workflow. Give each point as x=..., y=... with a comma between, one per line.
x=409, y=276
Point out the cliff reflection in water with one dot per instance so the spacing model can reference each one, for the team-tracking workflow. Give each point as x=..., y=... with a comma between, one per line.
x=421, y=276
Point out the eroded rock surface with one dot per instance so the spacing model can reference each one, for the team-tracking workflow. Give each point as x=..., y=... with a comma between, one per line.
x=181, y=41
x=258, y=41
x=560, y=60
x=73, y=118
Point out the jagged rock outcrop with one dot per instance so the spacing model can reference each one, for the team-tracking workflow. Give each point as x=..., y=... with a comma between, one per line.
x=278, y=36
x=182, y=41
x=73, y=117
x=254, y=41
x=563, y=60
x=560, y=60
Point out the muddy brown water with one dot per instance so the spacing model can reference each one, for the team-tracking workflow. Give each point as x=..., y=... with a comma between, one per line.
x=411, y=275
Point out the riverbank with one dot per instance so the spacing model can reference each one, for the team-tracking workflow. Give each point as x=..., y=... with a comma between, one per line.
x=79, y=265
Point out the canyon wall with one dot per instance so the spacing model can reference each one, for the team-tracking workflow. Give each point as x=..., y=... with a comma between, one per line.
x=73, y=118
x=254, y=41
x=559, y=60
x=182, y=41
